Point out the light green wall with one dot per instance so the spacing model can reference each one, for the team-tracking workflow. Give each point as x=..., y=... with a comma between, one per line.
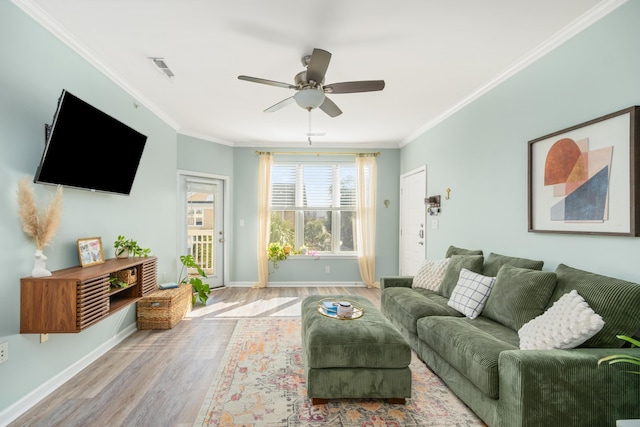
x=481, y=151
x=35, y=68
x=197, y=155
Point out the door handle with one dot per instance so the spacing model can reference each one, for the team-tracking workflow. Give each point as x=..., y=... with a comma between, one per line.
x=421, y=243
x=421, y=234
x=221, y=240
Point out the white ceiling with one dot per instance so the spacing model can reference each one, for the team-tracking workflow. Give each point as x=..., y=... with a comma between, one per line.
x=435, y=56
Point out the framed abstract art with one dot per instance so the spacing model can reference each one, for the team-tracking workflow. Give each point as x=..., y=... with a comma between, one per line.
x=584, y=179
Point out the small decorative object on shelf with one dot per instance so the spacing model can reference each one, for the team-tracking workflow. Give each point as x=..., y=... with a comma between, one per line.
x=123, y=278
x=90, y=251
x=41, y=226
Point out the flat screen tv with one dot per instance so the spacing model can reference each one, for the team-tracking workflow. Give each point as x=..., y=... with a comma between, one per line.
x=88, y=149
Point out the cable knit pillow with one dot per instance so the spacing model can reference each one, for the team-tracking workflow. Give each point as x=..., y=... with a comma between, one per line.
x=430, y=274
x=567, y=324
x=471, y=293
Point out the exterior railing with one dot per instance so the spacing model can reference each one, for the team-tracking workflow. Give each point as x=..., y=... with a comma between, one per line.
x=202, y=249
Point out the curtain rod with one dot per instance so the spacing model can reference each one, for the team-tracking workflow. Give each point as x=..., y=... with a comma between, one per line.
x=320, y=153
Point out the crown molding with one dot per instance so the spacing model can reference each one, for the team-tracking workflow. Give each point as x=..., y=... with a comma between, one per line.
x=41, y=17
x=592, y=16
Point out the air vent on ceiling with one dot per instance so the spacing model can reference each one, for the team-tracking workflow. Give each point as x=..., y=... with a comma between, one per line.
x=162, y=67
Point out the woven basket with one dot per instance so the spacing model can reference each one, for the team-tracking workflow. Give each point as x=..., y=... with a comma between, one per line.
x=128, y=276
x=163, y=309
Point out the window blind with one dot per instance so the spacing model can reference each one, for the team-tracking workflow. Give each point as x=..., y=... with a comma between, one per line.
x=300, y=186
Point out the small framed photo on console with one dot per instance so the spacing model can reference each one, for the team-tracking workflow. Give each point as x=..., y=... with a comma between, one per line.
x=90, y=251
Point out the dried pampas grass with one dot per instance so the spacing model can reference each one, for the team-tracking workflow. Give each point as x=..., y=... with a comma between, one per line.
x=41, y=226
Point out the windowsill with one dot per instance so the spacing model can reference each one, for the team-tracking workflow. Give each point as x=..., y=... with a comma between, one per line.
x=323, y=256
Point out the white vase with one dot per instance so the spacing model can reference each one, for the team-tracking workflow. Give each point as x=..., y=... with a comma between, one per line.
x=123, y=254
x=40, y=265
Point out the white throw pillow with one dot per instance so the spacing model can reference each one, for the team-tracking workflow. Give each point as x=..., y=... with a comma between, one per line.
x=471, y=293
x=430, y=274
x=567, y=324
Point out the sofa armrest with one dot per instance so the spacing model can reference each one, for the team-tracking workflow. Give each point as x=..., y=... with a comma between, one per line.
x=396, y=282
x=566, y=387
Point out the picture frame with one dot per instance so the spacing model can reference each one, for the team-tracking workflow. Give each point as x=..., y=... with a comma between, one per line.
x=584, y=179
x=90, y=251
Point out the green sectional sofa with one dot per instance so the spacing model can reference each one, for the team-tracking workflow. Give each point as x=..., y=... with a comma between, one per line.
x=480, y=359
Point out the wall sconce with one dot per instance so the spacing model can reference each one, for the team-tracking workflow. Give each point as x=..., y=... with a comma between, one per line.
x=433, y=205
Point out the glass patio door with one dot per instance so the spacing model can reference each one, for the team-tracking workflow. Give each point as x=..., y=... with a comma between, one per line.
x=204, y=238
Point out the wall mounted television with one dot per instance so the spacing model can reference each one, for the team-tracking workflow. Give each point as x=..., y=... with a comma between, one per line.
x=88, y=149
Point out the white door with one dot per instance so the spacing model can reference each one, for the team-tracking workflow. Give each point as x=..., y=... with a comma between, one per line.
x=203, y=225
x=413, y=189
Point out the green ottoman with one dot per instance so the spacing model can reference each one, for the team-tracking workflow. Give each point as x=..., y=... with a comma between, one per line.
x=360, y=358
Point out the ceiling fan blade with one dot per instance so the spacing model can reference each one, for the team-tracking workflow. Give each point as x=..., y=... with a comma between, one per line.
x=329, y=107
x=352, y=87
x=266, y=82
x=318, y=64
x=279, y=105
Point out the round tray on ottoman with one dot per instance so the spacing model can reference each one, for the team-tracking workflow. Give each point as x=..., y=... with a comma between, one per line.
x=366, y=358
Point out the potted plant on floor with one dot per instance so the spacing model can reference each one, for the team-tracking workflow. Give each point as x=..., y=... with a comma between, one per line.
x=124, y=248
x=200, y=290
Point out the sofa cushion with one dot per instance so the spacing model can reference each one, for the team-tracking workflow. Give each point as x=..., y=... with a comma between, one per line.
x=494, y=262
x=430, y=274
x=471, y=293
x=408, y=305
x=519, y=295
x=617, y=301
x=452, y=250
x=457, y=263
x=471, y=350
x=567, y=324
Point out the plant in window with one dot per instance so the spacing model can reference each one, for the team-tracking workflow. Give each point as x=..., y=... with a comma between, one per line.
x=282, y=231
x=276, y=253
x=201, y=290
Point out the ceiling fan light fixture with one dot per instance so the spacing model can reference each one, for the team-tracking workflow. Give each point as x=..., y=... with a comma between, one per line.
x=309, y=98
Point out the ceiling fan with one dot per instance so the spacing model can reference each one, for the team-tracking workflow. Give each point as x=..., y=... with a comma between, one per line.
x=310, y=88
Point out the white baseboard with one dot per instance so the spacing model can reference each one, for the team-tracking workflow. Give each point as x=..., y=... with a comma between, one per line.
x=299, y=284
x=31, y=399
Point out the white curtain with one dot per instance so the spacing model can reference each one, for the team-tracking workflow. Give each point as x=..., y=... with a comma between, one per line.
x=264, y=197
x=366, y=183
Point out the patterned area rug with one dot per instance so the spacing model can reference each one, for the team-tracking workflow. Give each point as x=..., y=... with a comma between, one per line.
x=261, y=383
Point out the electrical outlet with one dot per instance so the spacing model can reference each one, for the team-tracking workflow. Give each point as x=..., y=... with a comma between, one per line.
x=4, y=352
x=44, y=338
x=327, y=269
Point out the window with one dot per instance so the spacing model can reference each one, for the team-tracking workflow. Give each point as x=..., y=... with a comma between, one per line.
x=313, y=204
x=195, y=217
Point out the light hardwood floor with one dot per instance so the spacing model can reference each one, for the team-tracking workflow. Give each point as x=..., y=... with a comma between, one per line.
x=160, y=377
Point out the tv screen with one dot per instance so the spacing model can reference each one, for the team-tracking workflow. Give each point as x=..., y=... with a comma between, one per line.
x=89, y=149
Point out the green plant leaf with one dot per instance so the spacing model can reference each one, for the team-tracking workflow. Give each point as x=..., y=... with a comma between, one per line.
x=634, y=342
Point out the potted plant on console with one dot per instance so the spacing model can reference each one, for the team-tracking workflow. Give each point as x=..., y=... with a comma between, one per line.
x=128, y=247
